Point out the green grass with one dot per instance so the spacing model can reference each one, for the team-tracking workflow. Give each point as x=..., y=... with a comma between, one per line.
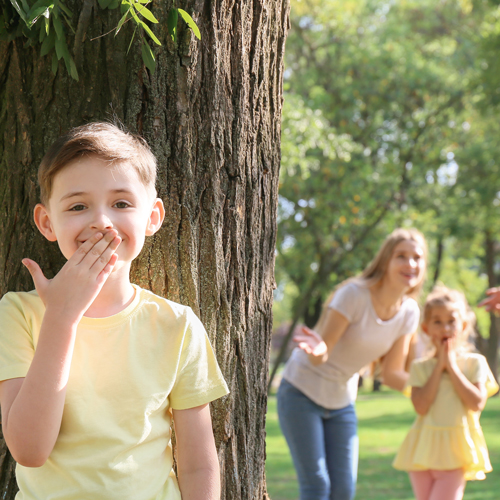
x=384, y=420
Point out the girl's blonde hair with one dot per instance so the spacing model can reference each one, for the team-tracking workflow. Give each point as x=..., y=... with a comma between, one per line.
x=376, y=269
x=443, y=296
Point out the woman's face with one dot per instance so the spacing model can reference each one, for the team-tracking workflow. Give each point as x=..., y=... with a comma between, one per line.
x=406, y=266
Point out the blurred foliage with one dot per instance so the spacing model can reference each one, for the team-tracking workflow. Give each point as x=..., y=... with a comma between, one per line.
x=389, y=120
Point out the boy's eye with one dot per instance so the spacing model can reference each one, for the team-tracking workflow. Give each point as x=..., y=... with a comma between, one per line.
x=77, y=208
x=122, y=204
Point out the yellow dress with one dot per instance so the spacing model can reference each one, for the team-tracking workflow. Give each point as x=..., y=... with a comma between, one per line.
x=449, y=435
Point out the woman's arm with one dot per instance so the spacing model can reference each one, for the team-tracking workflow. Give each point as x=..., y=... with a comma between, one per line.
x=197, y=462
x=492, y=302
x=393, y=364
x=319, y=344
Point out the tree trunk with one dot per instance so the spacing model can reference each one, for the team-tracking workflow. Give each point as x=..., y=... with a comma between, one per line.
x=492, y=345
x=211, y=113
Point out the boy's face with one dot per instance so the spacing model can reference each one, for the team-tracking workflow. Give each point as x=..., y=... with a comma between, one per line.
x=89, y=196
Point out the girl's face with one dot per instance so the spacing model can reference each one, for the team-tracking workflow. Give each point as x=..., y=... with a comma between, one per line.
x=444, y=322
x=407, y=265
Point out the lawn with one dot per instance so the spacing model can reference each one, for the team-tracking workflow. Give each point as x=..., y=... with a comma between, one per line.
x=384, y=419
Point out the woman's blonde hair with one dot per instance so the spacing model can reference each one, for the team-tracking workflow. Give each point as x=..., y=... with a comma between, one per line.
x=376, y=269
x=443, y=296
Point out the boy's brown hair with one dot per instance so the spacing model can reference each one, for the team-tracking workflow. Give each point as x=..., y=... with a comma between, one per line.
x=105, y=140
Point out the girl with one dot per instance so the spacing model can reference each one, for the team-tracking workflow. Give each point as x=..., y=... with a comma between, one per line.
x=369, y=316
x=445, y=446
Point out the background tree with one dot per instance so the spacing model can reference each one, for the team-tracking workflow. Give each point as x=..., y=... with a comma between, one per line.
x=211, y=113
x=384, y=114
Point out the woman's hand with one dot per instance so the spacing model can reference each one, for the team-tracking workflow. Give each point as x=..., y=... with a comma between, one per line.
x=492, y=302
x=311, y=342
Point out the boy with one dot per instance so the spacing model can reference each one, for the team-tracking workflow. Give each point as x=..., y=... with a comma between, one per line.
x=91, y=366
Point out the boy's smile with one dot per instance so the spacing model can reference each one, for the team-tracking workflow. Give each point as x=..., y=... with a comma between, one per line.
x=88, y=196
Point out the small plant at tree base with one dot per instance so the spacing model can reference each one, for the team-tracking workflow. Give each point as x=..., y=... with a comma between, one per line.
x=45, y=22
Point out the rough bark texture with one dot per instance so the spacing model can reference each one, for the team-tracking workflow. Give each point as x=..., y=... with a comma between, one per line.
x=211, y=113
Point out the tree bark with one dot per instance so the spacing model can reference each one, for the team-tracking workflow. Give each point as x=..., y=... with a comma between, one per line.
x=211, y=113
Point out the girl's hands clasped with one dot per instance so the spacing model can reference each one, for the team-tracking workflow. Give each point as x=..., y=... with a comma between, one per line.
x=80, y=280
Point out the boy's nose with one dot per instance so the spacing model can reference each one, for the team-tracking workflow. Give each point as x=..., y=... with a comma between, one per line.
x=101, y=222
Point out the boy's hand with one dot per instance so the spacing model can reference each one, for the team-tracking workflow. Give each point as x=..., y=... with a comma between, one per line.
x=77, y=284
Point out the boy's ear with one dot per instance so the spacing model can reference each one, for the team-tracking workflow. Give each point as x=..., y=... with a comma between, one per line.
x=42, y=221
x=424, y=328
x=156, y=217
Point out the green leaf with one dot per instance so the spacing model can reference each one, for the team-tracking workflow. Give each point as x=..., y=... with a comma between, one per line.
x=47, y=25
x=150, y=33
x=20, y=11
x=48, y=44
x=148, y=57
x=41, y=35
x=172, y=19
x=122, y=20
x=62, y=49
x=55, y=63
x=190, y=22
x=145, y=27
x=35, y=14
x=72, y=69
x=104, y=4
x=58, y=27
x=64, y=8
x=146, y=13
x=131, y=40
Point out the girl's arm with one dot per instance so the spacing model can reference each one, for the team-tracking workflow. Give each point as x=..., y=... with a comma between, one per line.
x=394, y=374
x=473, y=396
x=423, y=397
x=318, y=345
x=197, y=462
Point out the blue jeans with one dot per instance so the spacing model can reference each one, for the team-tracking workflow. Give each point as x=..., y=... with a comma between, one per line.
x=323, y=444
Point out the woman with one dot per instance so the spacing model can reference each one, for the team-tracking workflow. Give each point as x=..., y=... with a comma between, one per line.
x=372, y=315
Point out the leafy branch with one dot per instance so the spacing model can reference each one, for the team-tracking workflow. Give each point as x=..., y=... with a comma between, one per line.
x=47, y=21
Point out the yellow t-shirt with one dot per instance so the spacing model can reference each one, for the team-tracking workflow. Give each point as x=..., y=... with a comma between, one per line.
x=449, y=436
x=127, y=373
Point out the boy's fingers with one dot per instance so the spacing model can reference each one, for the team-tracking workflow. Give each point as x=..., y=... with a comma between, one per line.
x=104, y=259
x=103, y=276
x=85, y=248
x=39, y=278
x=95, y=253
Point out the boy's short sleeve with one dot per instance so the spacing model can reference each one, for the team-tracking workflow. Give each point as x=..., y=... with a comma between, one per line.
x=346, y=301
x=16, y=339
x=198, y=379
x=418, y=376
x=481, y=373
